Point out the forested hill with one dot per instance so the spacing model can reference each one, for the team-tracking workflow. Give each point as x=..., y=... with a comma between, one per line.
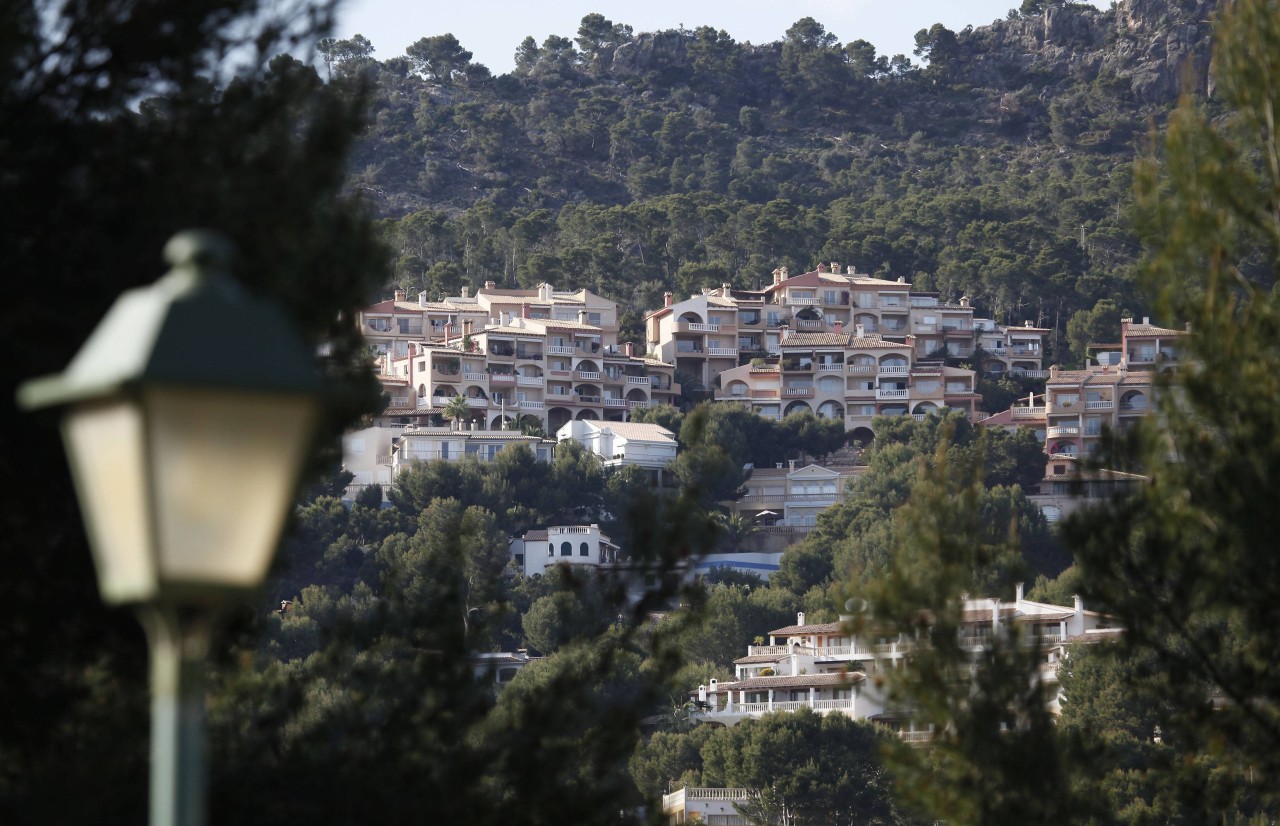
x=997, y=163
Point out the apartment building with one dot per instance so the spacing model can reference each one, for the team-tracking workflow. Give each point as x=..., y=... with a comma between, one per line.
x=1078, y=405
x=541, y=356
x=817, y=342
x=826, y=668
x=709, y=806
x=851, y=376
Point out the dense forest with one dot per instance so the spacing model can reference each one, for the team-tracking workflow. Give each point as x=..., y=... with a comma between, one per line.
x=997, y=164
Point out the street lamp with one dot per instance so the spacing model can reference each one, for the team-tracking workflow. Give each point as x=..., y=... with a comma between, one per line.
x=188, y=415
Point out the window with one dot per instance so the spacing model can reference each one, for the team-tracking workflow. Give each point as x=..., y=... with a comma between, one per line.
x=583, y=550
x=422, y=365
x=551, y=550
x=444, y=450
x=593, y=319
x=566, y=549
x=830, y=297
x=355, y=447
x=520, y=560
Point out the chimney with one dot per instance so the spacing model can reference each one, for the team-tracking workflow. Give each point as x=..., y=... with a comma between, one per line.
x=1027, y=323
x=448, y=330
x=400, y=294
x=791, y=464
x=822, y=267
x=785, y=273
x=835, y=267
x=466, y=327
x=784, y=332
x=1053, y=371
x=995, y=615
x=902, y=279
x=1078, y=605
x=839, y=325
x=422, y=298
x=1146, y=319
x=630, y=349
x=851, y=270
x=777, y=465
x=524, y=310
x=1017, y=590
x=964, y=301
x=859, y=330
x=777, y=277
x=582, y=316
x=725, y=289
x=489, y=285
x=666, y=299
x=466, y=292
x=800, y=618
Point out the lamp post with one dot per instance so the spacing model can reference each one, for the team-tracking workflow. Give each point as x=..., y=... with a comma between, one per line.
x=187, y=418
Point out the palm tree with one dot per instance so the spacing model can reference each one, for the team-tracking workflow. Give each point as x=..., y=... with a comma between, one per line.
x=457, y=409
x=735, y=528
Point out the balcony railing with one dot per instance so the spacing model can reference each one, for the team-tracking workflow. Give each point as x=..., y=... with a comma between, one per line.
x=698, y=327
x=560, y=350
x=615, y=402
x=882, y=393
x=586, y=399
x=894, y=369
x=1099, y=405
x=831, y=368
x=797, y=392
x=528, y=405
x=1030, y=374
x=477, y=402
x=529, y=381
x=1028, y=412
x=643, y=380
x=809, y=324
x=502, y=378
x=801, y=301
x=722, y=351
x=588, y=375
x=862, y=369
x=1062, y=430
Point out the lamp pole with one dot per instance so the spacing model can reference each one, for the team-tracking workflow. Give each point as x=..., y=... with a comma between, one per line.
x=178, y=642
x=187, y=417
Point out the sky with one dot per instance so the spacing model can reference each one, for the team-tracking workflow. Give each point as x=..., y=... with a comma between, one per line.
x=492, y=29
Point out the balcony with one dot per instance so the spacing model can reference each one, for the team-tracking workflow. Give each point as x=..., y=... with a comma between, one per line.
x=615, y=403
x=1099, y=405
x=722, y=351
x=894, y=369
x=560, y=350
x=638, y=404
x=1062, y=430
x=477, y=401
x=862, y=369
x=640, y=380
x=696, y=327
x=801, y=301
x=528, y=405
x=810, y=324
x=921, y=327
x=577, y=399
x=1030, y=374
x=882, y=393
x=798, y=392
x=529, y=381
x=797, y=366
x=587, y=375
x=502, y=378
x=831, y=367
x=1028, y=412
x=529, y=355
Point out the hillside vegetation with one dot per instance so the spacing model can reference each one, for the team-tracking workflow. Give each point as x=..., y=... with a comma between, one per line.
x=996, y=164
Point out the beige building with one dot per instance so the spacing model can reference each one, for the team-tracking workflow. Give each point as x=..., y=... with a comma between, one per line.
x=783, y=502
x=818, y=341
x=516, y=356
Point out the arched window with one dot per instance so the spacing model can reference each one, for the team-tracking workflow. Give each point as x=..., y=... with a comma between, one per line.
x=422, y=391
x=582, y=549
x=551, y=549
x=566, y=549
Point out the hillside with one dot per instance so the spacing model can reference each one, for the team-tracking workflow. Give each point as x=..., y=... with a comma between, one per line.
x=631, y=164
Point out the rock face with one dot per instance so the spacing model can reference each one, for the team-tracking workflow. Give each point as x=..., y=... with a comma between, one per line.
x=1148, y=43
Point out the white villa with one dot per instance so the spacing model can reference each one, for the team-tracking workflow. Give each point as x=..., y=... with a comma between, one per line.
x=825, y=668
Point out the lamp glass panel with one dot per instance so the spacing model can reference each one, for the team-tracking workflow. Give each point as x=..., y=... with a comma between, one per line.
x=226, y=466
x=105, y=446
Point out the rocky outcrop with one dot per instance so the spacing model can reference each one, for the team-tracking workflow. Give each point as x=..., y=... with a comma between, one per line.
x=1148, y=43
